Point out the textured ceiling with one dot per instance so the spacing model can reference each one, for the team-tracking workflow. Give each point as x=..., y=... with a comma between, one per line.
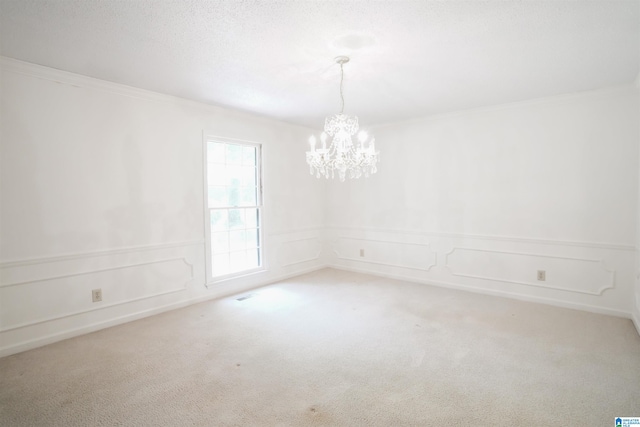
x=275, y=58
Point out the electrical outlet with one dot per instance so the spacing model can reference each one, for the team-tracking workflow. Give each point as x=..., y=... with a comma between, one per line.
x=361, y=252
x=542, y=275
x=96, y=295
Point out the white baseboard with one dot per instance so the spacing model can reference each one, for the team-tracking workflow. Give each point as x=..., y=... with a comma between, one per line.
x=221, y=292
x=517, y=296
x=635, y=318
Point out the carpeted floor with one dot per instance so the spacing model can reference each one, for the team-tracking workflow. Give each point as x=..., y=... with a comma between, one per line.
x=336, y=349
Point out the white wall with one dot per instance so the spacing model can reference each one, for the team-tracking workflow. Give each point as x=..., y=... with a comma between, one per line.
x=636, y=312
x=102, y=187
x=482, y=199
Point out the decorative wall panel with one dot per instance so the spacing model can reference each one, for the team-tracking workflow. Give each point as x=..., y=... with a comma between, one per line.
x=581, y=275
x=415, y=256
x=299, y=250
x=63, y=295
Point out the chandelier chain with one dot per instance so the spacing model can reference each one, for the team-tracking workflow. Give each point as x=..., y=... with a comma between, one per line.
x=341, y=95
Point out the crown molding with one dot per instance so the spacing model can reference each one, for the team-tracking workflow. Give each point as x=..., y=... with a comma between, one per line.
x=567, y=98
x=78, y=80
x=17, y=66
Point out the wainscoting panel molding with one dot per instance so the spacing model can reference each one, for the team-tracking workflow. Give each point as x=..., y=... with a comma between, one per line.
x=46, y=299
x=299, y=250
x=59, y=296
x=414, y=256
x=586, y=276
x=591, y=276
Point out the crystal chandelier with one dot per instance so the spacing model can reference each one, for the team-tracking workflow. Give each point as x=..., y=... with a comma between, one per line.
x=343, y=155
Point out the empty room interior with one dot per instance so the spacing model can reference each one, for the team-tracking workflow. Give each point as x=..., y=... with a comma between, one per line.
x=299, y=213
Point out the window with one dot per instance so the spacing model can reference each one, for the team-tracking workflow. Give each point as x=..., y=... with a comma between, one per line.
x=233, y=207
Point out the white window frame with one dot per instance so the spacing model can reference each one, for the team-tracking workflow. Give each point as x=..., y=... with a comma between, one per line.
x=210, y=279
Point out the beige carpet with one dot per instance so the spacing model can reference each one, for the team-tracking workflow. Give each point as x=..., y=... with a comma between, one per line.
x=336, y=349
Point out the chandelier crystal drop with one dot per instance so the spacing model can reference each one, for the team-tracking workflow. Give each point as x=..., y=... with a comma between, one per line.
x=343, y=156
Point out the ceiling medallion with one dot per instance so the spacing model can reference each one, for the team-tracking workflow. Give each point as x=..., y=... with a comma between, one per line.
x=343, y=156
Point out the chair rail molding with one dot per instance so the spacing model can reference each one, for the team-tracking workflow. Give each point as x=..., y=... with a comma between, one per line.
x=489, y=237
x=98, y=253
x=99, y=270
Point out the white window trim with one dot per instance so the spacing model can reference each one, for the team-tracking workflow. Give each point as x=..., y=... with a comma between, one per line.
x=209, y=278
